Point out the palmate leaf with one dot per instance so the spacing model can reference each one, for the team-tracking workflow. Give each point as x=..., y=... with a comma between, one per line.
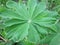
x=28, y=21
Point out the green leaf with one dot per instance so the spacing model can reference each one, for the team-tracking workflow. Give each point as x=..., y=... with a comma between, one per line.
x=47, y=39
x=18, y=8
x=31, y=6
x=2, y=8
x=55, y=40
x=39, y=9
x=11, y=3
x=33, y=35
x=28, y=21
x=45, y=19
x=11, y=22
x=18, y=32
x=40, y=29
x=9, y=14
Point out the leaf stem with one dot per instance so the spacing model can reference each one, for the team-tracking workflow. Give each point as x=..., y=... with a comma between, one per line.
x=3, y=39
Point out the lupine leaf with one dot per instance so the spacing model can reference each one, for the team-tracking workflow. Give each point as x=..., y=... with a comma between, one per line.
x=28, y=20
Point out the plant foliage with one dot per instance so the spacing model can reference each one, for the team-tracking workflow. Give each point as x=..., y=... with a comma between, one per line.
x=31, y=22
